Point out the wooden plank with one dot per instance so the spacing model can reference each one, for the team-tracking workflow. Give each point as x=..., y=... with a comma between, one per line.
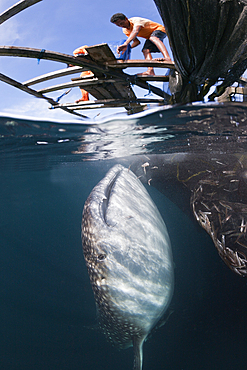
x=92, y=102
x=19, y=86
x=49, y=76
x=123, y=103
x=112, y=102
x=99, y=92
x=18, y=7
x=86, y=83
x=125, y=92
x=79, y=61
x=118, y=92
x=100, y=53
x=113, y=105
x=156, y=78
x=99, y=106
x=139, y=63
x=111, y=90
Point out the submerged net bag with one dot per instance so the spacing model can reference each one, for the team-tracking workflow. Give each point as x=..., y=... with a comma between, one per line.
x=208, y=39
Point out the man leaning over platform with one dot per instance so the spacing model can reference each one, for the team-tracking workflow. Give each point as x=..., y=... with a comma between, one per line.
x=153, y=32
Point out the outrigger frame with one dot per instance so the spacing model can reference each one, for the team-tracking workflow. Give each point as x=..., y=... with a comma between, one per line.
x=109, y=84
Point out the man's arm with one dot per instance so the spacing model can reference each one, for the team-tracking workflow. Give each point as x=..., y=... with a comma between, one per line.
x=131, y=37
x=135, y=43
x=134, y=34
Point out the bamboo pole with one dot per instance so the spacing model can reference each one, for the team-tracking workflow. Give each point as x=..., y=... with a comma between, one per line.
x=109, y=102
x=18, y=7
x=51, y=75
x=35, y=93
x=83, y=83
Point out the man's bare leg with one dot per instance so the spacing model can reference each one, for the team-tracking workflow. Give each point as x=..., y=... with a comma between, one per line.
x=150, y=71
x=161, y=47
x=84, y=96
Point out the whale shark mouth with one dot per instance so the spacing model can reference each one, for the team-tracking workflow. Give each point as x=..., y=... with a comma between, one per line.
x=108, y=191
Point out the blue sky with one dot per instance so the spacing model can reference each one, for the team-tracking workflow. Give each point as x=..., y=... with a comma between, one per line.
x=59, y=25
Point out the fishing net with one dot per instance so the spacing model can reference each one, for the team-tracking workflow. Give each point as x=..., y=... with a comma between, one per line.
x=208, y=39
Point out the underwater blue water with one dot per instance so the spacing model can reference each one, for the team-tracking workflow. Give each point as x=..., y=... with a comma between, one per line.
x=47, y=309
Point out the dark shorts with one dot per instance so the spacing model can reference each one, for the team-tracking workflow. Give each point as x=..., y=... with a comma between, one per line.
x=150, y=45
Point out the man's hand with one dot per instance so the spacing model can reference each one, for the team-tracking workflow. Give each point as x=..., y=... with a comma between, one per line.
x=122, y=48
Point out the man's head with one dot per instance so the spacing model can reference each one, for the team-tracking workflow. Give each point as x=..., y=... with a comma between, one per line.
x=120, y=20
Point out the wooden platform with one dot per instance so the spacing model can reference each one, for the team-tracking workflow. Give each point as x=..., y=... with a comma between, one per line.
x=109, y=84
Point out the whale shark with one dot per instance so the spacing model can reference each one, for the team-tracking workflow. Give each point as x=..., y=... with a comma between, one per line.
x=129, y=259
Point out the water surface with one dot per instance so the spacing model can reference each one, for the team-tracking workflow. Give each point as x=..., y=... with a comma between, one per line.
x=47, y=308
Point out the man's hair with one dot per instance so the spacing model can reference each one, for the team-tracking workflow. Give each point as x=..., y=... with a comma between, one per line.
x=117, y=16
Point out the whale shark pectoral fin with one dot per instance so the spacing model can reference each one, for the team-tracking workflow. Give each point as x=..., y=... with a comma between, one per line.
x=138, y=352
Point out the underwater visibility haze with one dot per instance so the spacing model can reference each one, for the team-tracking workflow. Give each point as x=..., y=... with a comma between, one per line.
x=192, y=162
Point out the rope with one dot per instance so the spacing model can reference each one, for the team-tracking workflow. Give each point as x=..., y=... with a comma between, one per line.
x=60, y=97
x=41, y=54
x=149, y=91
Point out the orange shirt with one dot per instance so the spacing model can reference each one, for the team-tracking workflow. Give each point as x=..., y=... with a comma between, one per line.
x=147, y=27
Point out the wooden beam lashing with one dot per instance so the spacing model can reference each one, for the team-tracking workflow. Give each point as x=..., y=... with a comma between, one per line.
x=18, y=7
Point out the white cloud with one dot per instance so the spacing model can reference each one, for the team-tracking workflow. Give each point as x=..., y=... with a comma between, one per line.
x=36, y=108
x=11, y=33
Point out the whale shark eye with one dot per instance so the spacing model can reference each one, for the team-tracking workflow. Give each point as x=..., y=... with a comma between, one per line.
x=101, y=257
